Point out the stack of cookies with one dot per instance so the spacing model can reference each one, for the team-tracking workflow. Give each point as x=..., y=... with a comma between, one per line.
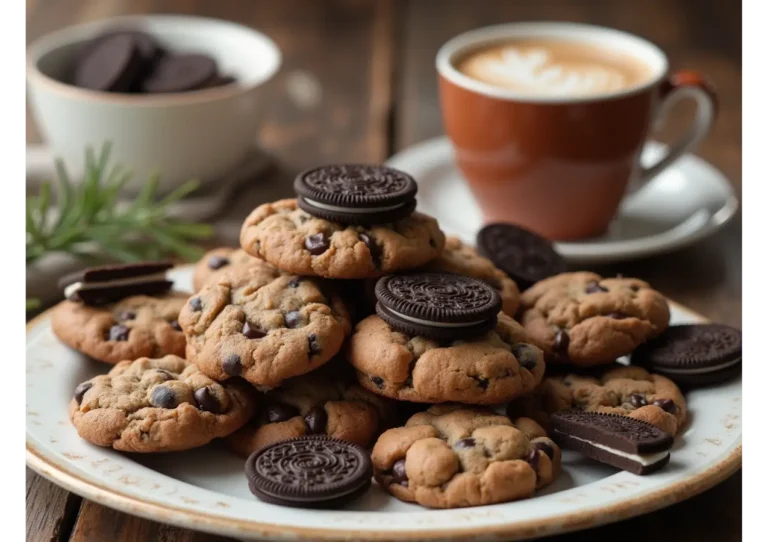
x=347, y=322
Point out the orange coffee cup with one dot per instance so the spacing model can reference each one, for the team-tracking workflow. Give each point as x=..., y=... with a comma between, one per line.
x=560, y=164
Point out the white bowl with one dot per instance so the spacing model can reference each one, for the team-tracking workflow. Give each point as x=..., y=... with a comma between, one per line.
x=200, y=134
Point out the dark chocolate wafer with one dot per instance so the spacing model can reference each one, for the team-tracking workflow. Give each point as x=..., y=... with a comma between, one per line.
x=313, y=471
x=112, y=63
x=523, y=255
x=356, y=193
x=442, y=306
x=110, y=283
x=693, y=354
x=625, y=443
x=180, y=73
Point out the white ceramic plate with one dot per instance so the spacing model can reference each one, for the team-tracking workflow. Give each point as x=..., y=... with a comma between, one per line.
x=686, y=203
x=206, y=489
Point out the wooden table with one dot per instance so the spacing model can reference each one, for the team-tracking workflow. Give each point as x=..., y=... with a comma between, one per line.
x=373, y=65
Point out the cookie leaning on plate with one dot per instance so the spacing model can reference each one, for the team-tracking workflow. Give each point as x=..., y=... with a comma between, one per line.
x=627, y=391
x=452, y=456
x=262, y=324
x=462, y=259
x=158, y=405
x=327, y=401
x=584, y=319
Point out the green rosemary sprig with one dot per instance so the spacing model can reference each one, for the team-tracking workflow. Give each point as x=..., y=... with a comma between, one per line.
x=86, y=221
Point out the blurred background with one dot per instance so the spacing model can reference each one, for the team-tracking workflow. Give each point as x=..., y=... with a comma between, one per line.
x=358, y=83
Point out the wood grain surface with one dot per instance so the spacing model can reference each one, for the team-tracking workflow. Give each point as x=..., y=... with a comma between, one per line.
x=358, y=83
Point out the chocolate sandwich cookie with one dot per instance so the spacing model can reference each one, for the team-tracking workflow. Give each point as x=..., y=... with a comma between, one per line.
x=625, y=443
x=521, y=254
x=693, y=354
x=356, y=193
x=309, y=472
x=441, y=306
x=180, y=73
x=112, y=64
x=102, y=285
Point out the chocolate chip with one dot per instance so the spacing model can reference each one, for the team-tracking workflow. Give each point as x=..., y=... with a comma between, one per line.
x=80, y=391
x=303, y=218
x=533, y=459
x=398, y=472
x=545, y=447
x=526, y=355
x=377, y=381
x=666, y=404
x=617, y=315
x=126, y=315
x=118, y=333
x=317, y=244
x=482, y=382
x=163, y=397
x=196, y=304
x=562, y=340
x=207, y=400
x=634, y=287
x=465, y=443
x=217, y=262
x=279, y=412
x=314, y=348
x=316, y=420
x=373, y=248
x=252, y=332
x=232, y=365
x=432, y=243
x=292, y=319
x=175, y=325
x=165, y=374
x=294, y=283
x=637, y=400
x=594, y=287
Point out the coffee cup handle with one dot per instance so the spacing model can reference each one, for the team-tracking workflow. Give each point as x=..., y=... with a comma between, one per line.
x=676, y=87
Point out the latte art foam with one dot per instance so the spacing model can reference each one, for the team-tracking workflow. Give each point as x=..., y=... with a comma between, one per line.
x=553, y=69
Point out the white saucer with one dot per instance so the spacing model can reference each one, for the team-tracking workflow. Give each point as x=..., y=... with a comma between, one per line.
x=686, y=203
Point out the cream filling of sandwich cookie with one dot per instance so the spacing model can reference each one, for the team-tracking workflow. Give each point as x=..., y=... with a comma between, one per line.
x=643, y=459
x=355, y=210
x=79, y=286
x=431, y=323
x=701, y=370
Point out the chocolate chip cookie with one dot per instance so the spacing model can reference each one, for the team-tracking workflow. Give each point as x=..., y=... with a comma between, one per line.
x=158, y=405
x=217, y=262
x=297, y=242
x=458, y=257
x=324, y=402
x=584, y=319
x=493, y=368
x=452, y=456
x=262, y=324
x=128, y=329
x=628, y=391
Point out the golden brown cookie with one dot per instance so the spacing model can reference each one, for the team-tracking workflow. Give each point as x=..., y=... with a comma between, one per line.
x=297, y=242
x=493, y=368
x=628, y=391
x=133, y=327
x=461, y=258
x=327, y=401
x=217, y=262
x=158, y=405
x=262, y=324
x=583, y=319
x=452, y=456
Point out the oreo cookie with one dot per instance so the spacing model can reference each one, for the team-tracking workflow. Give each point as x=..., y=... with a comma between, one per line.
x=313, y=471
x=622, y=442
x=523, y=255
x=441, y=306
x=356, y=193
x=694, y=354
x=110, y=283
